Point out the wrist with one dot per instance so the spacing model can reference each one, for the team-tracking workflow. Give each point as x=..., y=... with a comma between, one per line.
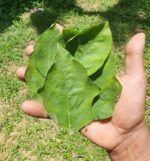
x=136, y=147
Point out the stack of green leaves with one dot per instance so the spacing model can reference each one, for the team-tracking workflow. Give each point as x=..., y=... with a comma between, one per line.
x=73, y=74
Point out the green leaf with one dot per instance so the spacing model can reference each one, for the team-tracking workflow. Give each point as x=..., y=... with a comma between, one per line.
x=69, y=34
x=33, y=77
x=73, y=74
x=109, y=89
x=42, y=59
x=91, y=46
x=68, y=92
x=45, y=49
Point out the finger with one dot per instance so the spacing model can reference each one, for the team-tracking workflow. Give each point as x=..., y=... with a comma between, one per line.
x=59, y=27
x=120, y=77
x=20, y=73
x=101, y=133
x=29, y=49
x=134, y=65
x=35, y=109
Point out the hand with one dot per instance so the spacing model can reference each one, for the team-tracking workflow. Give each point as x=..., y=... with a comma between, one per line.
x=128, y=116
x=129, y=111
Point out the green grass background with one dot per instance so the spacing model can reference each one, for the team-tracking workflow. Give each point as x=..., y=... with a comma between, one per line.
x=23, y=138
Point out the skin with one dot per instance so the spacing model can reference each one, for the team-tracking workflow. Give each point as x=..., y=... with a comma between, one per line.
x=126, y=129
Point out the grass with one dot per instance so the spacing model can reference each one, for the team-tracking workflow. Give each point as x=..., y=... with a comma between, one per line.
x=25, y=138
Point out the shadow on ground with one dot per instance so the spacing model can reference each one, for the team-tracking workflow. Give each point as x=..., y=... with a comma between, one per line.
x=126, y=18
x=10, y=11
x=43, y=12
x=53, y=11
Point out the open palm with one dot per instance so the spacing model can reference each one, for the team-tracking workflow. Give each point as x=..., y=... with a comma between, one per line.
x=128, y=115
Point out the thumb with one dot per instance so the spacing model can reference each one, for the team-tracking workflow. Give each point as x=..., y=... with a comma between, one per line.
x=134, y=62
